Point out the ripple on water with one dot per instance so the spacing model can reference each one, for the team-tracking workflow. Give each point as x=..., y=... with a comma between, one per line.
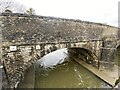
x=68, y=75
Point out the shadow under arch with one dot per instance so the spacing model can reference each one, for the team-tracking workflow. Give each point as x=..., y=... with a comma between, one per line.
x=84, y=54
x=79, y=52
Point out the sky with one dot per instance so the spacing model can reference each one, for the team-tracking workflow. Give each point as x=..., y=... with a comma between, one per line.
x=101, y=11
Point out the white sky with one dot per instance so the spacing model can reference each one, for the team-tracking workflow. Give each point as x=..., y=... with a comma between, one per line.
x=102, y=11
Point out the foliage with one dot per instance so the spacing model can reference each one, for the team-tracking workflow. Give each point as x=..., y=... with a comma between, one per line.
x=30, y=11
x=14, y=7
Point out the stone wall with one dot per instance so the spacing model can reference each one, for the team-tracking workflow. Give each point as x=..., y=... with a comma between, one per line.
x=50, y=29
x=16, y=63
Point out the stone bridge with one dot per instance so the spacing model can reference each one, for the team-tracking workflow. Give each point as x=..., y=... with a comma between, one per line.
x=27, y=38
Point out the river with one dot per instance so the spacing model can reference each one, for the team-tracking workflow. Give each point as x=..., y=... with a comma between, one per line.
x=57, y=70
x=68, y=75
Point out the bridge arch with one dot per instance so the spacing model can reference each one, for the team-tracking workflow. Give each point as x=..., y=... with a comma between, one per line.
x=85, y=55
x=57, y=57
x=45, y=48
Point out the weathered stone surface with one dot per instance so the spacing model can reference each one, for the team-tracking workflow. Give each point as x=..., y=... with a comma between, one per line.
x=16, y=64
x=47, y=29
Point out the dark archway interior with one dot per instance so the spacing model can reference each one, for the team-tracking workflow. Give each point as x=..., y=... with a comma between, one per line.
x=85, y=55
x=117, y=59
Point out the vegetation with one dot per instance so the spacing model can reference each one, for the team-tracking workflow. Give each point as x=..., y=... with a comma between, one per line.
x=10, y=6
x=30, y=11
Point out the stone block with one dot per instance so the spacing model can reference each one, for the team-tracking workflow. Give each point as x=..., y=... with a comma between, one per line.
x=109, y=44
x=108, y=55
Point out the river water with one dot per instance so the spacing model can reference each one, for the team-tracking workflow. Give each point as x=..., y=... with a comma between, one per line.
x=68, y=75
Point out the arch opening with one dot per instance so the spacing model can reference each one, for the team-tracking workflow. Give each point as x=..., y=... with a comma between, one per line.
x=84, y=55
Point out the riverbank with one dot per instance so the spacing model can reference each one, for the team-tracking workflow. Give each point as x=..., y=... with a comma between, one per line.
x=107, y=76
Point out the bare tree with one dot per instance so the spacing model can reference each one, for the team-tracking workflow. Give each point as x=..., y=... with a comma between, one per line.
x=30, y=11
x=11, y=5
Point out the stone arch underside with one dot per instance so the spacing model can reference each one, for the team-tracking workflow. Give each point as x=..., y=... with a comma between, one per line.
x=93, y=46
x=85, y=55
